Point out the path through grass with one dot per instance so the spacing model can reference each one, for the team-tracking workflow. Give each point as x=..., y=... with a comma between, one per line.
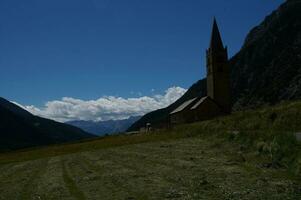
x=187, y=168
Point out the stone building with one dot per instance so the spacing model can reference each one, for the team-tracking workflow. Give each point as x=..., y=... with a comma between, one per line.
x=183, y=113
x=218, y=99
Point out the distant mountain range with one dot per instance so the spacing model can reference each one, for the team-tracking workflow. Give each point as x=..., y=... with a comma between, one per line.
x=266, y=70
x=105, y=127
x=21, y=129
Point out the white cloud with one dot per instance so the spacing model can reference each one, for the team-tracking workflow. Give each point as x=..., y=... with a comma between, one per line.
x=105, y=108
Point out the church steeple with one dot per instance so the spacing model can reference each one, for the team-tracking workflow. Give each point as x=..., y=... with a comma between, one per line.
x=216, y=42
x=218, y=71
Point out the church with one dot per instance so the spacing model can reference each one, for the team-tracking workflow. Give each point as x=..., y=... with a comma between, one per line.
x=218, y=99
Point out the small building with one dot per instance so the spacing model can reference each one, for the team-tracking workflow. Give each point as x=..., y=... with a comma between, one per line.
x=218, y=99
x=197, y=109
x=182, y=113
x=204, y=109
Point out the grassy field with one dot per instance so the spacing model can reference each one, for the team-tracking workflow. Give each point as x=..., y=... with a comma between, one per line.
x=248, y=155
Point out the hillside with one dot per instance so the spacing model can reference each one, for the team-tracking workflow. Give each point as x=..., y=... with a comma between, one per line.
x=159, y=118
x=248, y=155
x=20, y=129
x=102, y=128
x=265, y=71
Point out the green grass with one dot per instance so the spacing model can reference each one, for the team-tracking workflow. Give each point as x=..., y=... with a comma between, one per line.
x=269, y=129
x=70, y=183
x=247, y=155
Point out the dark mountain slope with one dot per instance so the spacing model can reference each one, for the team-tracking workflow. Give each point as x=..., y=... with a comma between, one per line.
x=15, y=109
x=20, y=129
x=266, y=70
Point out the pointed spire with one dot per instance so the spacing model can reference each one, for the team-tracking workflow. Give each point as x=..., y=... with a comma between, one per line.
x=216, y=40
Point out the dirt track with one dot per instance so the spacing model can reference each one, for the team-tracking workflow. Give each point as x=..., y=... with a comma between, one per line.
x=181, y=169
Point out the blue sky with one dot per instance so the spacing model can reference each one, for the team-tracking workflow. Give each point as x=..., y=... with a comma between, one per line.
x=86, y=49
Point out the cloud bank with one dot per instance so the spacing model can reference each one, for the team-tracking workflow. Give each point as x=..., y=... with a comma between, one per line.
x=105, y=108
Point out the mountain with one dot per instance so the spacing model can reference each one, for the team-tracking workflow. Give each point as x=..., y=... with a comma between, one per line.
x=21, y=129
x=267, y=69
x=105, y=127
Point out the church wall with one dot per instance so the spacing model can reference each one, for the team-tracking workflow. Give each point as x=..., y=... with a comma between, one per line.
x=180, y=117
x=218, y=78
x=207, y=110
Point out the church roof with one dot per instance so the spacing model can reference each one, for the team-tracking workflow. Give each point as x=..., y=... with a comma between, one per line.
x=216, y=39
x=183, y=106
x=202, y=100
x=199, y=102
